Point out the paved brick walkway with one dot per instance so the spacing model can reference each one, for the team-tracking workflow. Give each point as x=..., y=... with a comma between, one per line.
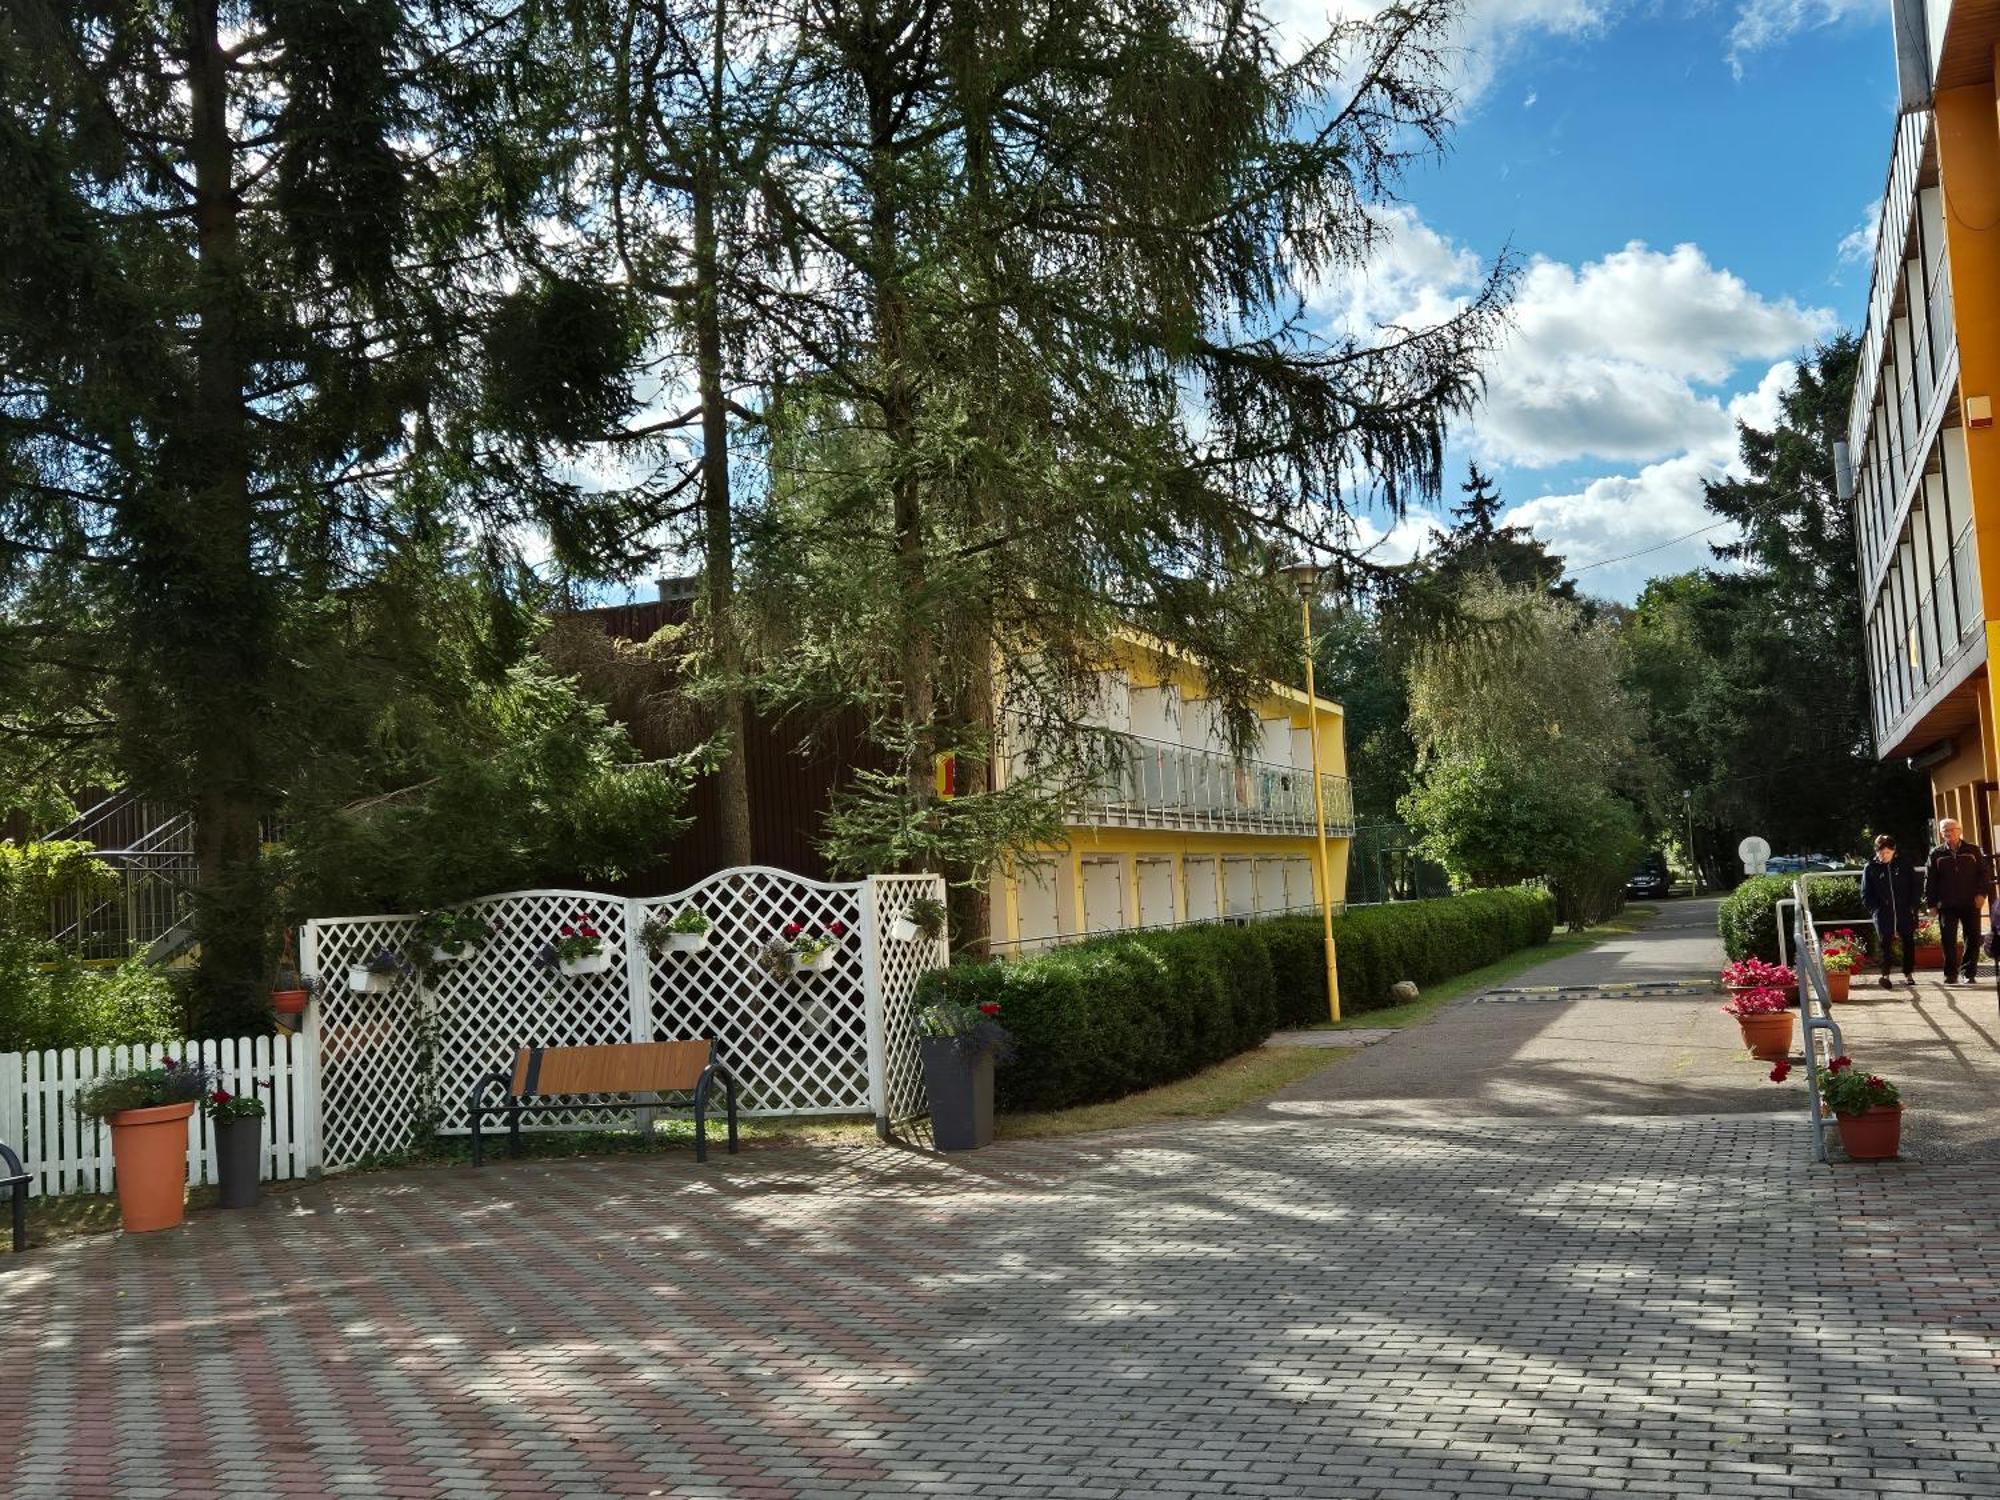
x=1299, y=1308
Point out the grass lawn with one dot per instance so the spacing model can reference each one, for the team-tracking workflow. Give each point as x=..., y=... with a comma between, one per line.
x=1495, y=974
x=1229, y=1085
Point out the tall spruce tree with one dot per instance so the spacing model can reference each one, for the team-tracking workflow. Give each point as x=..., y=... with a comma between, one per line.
x=1058, y=379
x=277, y=336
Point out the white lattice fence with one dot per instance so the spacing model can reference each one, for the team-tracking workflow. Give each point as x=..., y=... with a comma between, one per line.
x=840, y=1041
x=901, y=965
x=375, y=1089
x=797, y=1043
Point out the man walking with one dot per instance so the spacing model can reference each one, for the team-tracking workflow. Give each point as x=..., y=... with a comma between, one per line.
x=1889, y=891
x=1956, y=882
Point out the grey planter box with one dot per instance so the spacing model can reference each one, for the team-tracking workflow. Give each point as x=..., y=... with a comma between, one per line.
x=238, y=1145
x=961, y=1094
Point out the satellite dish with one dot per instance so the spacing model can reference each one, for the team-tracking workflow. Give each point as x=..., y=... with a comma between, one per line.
x=1753, y=851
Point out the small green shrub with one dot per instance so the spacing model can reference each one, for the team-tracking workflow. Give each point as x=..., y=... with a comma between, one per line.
x=1748, y=917
x=1107, y=1017
x=61, y=1003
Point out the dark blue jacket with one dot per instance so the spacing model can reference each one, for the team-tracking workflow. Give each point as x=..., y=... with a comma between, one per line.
x=1956, y=880
x=1891, y=888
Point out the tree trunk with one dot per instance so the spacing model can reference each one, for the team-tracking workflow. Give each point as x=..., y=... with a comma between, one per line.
x=915, y=657
x=718, y=539
x=221, y=650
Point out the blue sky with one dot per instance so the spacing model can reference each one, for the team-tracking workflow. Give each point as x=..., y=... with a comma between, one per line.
x=1684, y=183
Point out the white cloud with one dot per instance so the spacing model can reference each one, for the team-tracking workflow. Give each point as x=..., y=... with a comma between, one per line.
x=1529, y=102
x=1620, y=530
x=1857, y=246
x=1763, y=24
x=1401, y=542
x=1487, y=34
x=1763, y=406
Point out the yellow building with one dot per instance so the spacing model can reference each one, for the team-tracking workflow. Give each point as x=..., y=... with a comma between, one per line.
x=1182, y=830
x=1922, y=457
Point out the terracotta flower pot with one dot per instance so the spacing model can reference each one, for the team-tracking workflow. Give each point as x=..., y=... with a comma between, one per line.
x=1873, y=1135
x=149, y=1149
x=1931, y=956
x=288, y=1002
x=1768, y=1035
x=1836, y=985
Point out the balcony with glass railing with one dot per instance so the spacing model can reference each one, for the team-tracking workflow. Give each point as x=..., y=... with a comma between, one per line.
x=1161, y=784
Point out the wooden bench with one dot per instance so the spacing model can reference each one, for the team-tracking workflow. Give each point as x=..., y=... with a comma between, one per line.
x=547, y=1080
x=15, y=1178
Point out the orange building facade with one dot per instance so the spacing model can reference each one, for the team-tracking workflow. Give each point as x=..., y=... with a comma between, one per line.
x=1922, y=455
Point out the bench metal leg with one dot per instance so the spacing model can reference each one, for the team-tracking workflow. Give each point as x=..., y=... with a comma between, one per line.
x=513, y=1127
x=701, y=1114
x=729, y=1102
x=20, y=1217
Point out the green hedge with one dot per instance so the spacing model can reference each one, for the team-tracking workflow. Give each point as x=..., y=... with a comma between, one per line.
x=1107, y=1017
x=1748, y=916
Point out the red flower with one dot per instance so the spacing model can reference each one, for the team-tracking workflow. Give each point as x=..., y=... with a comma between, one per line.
x=567, y=931
x=221, y=1096
x=1778, y=1073
x=793, y=929
x=989, y=1008
x=1875, y=1083
x=836, y=929
x=1840, y=1065
x=168, y=1062
x=586, y=930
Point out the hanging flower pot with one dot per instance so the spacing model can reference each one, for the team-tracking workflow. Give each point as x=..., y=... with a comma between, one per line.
x=924, y=919
x=817, y=961
x=379, y=974
x=903, y=930
x=147, y=1110
x=587, y=963
x=290, y=1002
x=685, y=931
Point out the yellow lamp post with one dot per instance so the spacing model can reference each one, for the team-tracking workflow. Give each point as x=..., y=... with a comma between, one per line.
x=1306, y=576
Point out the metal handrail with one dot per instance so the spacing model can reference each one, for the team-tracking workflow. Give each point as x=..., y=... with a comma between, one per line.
x=1815, y=1009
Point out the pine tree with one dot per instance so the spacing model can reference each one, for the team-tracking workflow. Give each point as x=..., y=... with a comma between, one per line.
x=276, y=338
x=1481, y=508
x=1058, y=385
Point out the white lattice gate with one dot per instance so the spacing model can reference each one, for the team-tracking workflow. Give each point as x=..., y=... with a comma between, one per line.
x=843, y=1041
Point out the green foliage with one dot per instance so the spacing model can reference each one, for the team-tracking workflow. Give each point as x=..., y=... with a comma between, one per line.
x=1752, y=682
x=1849, y=1091
x=144, y=1088
x=1528, y=762
x=1107, y=1017
x=532, y=785
x=1748, y=915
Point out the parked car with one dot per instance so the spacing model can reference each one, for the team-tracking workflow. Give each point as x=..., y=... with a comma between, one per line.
x=1651, y=880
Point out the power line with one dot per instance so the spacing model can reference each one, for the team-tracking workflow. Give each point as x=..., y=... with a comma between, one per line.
x=1605, y=562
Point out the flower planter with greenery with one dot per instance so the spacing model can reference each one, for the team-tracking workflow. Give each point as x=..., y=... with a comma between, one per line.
x=578, y=949
x=1840, y=950
x=449, y=937
x=924, y=919
x=1867, y=1108
x=291, y=991
x=1928, y=950
x=237, y=1121
x=1748, y=974
x=959, y=1045
x=686, y=931
x=147, y=1110
x=1765, y=1019
x=802, y=950
x=379, y=973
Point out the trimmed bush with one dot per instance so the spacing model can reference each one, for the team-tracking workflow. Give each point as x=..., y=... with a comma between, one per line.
x=1748, y=916
x=1117, y=1014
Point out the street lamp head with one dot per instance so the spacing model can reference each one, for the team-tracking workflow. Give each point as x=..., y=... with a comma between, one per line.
x=1303, y=574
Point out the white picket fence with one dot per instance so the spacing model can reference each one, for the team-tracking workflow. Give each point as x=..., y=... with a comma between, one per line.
x=70, y=1154
x=402, y=1061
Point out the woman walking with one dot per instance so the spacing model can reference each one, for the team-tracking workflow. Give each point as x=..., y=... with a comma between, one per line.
x=1889, y=891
